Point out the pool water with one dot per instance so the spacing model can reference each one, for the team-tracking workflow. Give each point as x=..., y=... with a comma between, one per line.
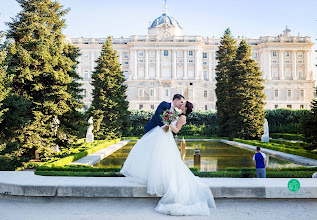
x=215, y=156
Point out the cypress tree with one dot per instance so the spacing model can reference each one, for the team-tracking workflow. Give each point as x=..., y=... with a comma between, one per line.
x=39, y=67
x=224, y=55
x=246, y=103
x=109, y=106
x=309, y=123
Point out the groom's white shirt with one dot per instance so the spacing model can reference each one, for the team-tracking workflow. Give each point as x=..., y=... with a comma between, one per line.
x=172, y=105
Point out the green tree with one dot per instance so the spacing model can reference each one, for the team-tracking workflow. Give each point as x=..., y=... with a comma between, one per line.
x=309, y=123
x=109, y=106
x=5, y=80
x=73, y=122
x=40, y=71
x=224, y=55
x=246, y=96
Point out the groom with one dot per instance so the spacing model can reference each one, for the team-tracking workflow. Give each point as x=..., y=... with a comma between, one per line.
x=178, y=100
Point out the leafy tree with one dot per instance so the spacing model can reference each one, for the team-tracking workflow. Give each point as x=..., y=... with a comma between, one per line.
x=246, y=96
x=224, y=55
x=109, y=106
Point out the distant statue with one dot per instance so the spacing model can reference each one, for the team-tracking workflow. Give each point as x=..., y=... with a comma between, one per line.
x=266, y=127
x=89, y=134
x=265, y=137
x=54, y=125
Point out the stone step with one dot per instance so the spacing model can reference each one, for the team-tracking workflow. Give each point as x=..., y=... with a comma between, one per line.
x=93, y=158
x=16, y=183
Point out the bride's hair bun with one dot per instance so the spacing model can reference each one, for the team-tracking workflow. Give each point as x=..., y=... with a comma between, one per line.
x=189, y=107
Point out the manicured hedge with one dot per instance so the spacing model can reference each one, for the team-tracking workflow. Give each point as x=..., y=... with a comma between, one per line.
x=286, y=136
x=98, y=145
x=230, y=174
x=280, y=147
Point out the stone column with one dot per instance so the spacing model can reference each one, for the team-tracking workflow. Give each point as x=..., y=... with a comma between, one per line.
x=146, y=64
x=121, y=57
x=92, y=62
x=158, y=57
x=294, y=75
x=196, y=64
x=135, y=64
x=211, y=76
x=173, y=64
x=185, y=64
x=281, y=65
x=307, y=60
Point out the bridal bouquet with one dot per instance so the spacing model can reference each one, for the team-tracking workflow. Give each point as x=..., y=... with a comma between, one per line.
x=168, y=117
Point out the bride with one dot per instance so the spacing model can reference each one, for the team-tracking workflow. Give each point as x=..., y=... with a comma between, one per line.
x=156, y=161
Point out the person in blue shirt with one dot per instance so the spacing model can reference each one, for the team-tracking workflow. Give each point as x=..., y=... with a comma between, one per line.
x=259, y=161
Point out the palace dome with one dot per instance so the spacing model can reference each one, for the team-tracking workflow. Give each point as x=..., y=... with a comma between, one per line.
x=164, y=18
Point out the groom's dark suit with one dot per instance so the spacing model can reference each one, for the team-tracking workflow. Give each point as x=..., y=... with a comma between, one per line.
x=157, y=120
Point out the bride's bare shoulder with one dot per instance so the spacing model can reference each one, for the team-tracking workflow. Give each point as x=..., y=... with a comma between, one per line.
x=182, y=118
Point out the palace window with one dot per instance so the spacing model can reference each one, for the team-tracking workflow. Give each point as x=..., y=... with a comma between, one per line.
x=300, y=75
x=151, y=92
x=126, y=62
x=166, y=92
x=141, y=53
x=287, y=54
x=126, y=55
x=190, y=53
x=289, y=106
x=300, y=54
x=126, y=75
x=301, y=106
x=274, y=53
x=205, y=76
x=276, y=106
x=205, y=94
x=141, y=93
x=166, y=53
x=84, y=93
x=140, y=107
x=289, y=93
x=301, y=93
x=86, y=76
x=152, y=106
x=276, y=93
x=86, y=55
x=190, y=61
x=206, y=107
x=204, y=55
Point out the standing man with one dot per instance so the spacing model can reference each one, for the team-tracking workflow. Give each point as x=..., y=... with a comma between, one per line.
x=259, y=161
x=178, y=100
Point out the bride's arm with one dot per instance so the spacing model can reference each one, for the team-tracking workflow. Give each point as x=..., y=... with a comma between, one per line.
x=181, y=121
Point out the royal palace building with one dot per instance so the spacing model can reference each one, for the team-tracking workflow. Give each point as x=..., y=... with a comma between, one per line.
x=165, y=62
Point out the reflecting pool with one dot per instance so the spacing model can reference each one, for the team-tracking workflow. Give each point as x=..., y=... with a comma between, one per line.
x=214, y=156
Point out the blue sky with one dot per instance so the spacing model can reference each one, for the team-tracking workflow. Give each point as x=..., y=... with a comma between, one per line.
x=249, y=18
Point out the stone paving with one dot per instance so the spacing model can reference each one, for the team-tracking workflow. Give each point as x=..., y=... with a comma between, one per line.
x=143, y=209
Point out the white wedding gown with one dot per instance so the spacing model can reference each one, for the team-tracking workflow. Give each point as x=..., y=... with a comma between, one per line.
x=156, y=161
